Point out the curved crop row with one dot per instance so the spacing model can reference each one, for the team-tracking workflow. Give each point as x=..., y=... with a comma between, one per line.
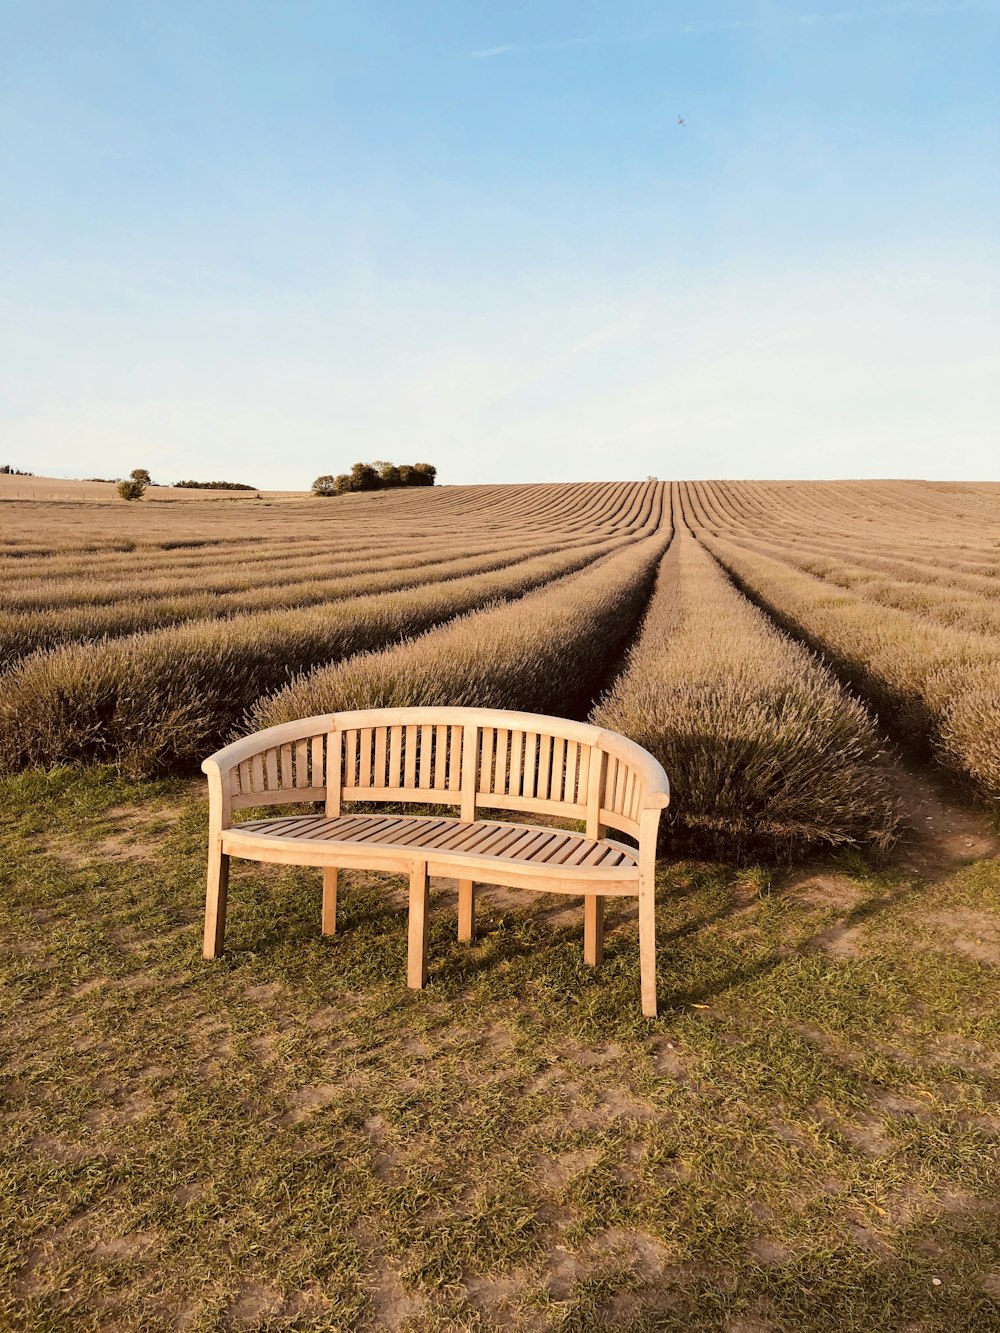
x=936, y=685
x=24, y=632
x=153, y=701
x=548, y=653
x=766, y=753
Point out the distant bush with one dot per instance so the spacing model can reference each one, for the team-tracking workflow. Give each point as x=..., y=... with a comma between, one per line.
x=9, y=471
x=214, y=486
x=132, y=489
x=378, y=476
x=141, y=474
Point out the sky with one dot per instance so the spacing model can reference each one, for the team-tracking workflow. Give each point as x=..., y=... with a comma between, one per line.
x=260, y=240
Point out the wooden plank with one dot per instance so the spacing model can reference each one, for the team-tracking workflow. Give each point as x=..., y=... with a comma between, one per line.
x=316, y=773
x=271, y=768
x=500, y=762
x=381, y=737
x=287, y=780
x=351, y=743
x=529, y=787
x=410, y=747
x=246, y=781
x=544, y=767
x=441, y=758
x=548, y=854
x=334, y=770
x=426, y=757
x=516, y=759
x=455, y=746
x=469, y=765
x=395, y=774
x=487, y=746
x=567, y=791
x=302, y=763
x=365, y=756
x=595, y=792
x=583, y=784
x=557, y=784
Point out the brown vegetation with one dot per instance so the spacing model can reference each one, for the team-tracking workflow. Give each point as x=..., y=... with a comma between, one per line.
x=765, y=752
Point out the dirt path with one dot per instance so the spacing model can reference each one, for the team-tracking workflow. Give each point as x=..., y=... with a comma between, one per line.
x=946, y=827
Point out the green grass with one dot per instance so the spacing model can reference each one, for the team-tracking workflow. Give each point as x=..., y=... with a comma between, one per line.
x=288, y=1138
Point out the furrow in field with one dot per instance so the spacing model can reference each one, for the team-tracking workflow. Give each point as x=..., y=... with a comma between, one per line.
x=164, y=699
x=936, y=686
x=549, y=653
x=766, y=752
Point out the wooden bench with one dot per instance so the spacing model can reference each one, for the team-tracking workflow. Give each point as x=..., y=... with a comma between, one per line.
x=468, y=758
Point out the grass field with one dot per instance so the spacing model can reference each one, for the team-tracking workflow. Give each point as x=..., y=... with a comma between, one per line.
x=807, y=1138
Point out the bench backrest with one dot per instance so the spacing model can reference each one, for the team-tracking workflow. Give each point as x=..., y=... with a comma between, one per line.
x=466, y=757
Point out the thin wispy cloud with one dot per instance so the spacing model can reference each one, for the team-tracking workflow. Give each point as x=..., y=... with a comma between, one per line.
x=921, y=8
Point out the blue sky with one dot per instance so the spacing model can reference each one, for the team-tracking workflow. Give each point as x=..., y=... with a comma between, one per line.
x=264, y=239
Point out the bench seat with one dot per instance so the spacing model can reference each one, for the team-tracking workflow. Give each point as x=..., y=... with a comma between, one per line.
x=572, y=862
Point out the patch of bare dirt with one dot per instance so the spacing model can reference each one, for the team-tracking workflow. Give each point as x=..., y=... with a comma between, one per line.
x=826, y=890
x=392, y=1305
x=976, y=934
x=769, y=1251
x=841, y=940
x=306, y=1101
x=945, y=828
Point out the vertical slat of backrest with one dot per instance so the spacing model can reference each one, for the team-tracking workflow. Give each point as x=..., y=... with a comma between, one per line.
x=631, y=782
x=350, y=743
x=544, y=767
x=271, y=767
x=317, y=772
x=335, y=778
x=469, y=770
x=440, y=758
x=612, y=791
x=246, y=781
x=597, y=759
x=530, y=764
x=557, y=778
x=516, y=761
x=583, y=780
x=381, y=739
x=287, y=781
x=426, y=757
x=302, y=763
x=257, y=768
x=610, y=778
x=569, y=781
x=487, y=746
x=365, y=757
x=455, y=749
x=500, y=762
x=621, y=782
x=395, y=774
x=410, y=760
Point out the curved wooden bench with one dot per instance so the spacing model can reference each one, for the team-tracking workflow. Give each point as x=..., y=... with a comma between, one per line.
x=468, y=758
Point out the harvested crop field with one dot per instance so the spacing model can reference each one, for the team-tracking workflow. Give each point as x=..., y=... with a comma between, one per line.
x=805, y=1139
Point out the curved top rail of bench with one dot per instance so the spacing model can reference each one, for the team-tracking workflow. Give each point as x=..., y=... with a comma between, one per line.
x=656, y=786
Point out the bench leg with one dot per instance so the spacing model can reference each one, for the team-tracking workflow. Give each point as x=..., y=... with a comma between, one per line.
x=466, y=910
x=593, y=929
x=215, y=902
x=416, y=944
x=329, y=900
x=647, y=944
